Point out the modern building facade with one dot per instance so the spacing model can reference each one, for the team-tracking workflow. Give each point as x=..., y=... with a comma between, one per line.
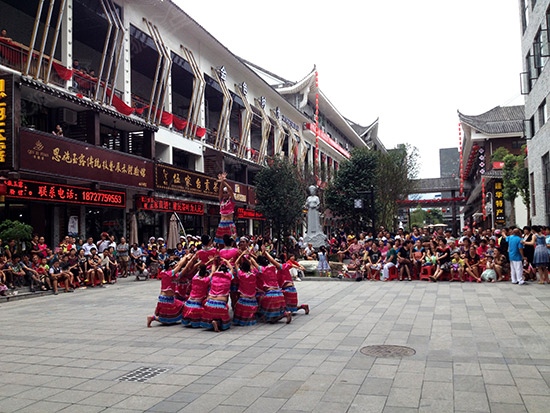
x=535, y=22
x=152, y=108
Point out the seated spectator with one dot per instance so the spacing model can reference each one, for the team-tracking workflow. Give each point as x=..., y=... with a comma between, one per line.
x=16, y=269
x=373, y=260
x=32, y=276
x=309, y=252
x=58, y=275
x=44, y=270
x=443, y=258
x=501, y=265
x=404, y=260
x=95, y=271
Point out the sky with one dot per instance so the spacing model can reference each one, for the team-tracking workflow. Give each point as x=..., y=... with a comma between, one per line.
x=412, y=64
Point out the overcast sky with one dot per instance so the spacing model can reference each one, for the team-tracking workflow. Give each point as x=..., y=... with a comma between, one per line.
x=412, y=64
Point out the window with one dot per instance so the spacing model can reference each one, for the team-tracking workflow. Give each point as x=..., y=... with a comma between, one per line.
x=543, y=114
x=525, y=15
x=517, y=144
x=540, y=50
x=532, y=193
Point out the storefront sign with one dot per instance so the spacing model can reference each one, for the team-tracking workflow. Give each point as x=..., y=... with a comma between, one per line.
x=44, y=191
x=184, y=181
x=44, y=152
x=149, y=203
x=6, y=120
x=244, y=213
x=500, y=212
x=240, y=193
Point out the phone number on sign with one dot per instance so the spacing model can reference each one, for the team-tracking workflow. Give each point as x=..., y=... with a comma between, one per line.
x=101, y=197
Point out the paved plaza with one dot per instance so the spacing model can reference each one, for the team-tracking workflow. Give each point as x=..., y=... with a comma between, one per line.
x=479, y=348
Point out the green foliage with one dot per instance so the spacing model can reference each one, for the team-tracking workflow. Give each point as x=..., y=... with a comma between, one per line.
x=280, y=194
x=355, y=179
x=434, y=216
x=499, y=154
x=389, y=174
x=510, y=188
x=16, y=230
x=418, y=217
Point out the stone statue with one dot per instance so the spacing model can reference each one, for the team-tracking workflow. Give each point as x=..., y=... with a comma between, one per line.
x=314, y=234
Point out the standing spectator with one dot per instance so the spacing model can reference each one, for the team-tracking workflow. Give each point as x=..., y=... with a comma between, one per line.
x=123, y=255
x=88, y=247
x=540, y=256
x=516, y=256
x=103, y=243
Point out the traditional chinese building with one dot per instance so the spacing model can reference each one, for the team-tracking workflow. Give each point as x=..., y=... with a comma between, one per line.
x=482, y=135
x=152, y=108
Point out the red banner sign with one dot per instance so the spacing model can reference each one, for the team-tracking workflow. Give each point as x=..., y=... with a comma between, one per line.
x=149, y=203
x=44, y=191
x=244, y=213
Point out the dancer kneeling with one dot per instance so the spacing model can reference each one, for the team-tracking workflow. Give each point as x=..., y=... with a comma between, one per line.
x=289, y=289
x=193, y=307
x=246, y=305
x=168, y=310
x=271, y=305
x=216, y=310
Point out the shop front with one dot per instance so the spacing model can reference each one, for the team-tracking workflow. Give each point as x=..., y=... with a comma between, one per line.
x=62, y=181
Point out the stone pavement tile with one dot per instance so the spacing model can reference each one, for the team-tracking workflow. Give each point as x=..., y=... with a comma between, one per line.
x=441, y=374
x=469, y=384
x=160, y=390
x=43, y=406
x=104, y=399
x=138, y=402
x=223, y=408
x=400, y=397
x=245, y=396
x=536, y=404
x=412, y=366
x=376, y=386
x=466, y=369
x=306, y=401
x=283, y=389
x=507, y=408
x=183, y=397
x=382, y=371
x=408, y=380
x=13, y=389
x=204, y=403
x=498, y=377
x=70, y=396
x=93, y=385
x=432, y=390
x=351, y=376
x=12, y=404
x=503, y=394
x=395, y=409
x=341, y=393
x=501, y=365
x=532, y=386
x=367, y=404
x=39, y=393
x=266, y=405
x=167, y=407
x=436, y=406
x=526, y=372
x=79, y=408
x=471, y=401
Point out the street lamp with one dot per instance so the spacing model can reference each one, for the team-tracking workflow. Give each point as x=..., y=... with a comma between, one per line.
x=490, y=208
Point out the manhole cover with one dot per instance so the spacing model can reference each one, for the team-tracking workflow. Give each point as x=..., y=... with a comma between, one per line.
x=388, y=351
x=142, y=374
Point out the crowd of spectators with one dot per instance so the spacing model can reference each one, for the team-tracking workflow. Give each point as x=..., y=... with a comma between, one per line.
x=475, y=255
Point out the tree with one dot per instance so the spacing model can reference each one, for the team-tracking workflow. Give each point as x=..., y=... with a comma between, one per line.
x=418, y=218
x=354, y=181
x=16, y=230
x=397, y=169
x=515, y=179
x=280, y=195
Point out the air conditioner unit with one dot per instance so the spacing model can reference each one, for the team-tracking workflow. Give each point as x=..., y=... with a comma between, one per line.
x=67, y=116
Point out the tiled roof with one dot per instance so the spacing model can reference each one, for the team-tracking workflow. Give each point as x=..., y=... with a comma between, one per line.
x=499, y=120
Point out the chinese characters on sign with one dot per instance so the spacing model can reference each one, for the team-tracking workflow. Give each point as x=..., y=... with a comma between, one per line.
x=244, y=213
x=500, y=213
x=149, y=203
x=6, y=109
x=47, y=153
x=180, y=180
x=43, y=191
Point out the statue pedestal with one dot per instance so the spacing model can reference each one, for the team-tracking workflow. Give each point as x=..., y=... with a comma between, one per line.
x=317, y=240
